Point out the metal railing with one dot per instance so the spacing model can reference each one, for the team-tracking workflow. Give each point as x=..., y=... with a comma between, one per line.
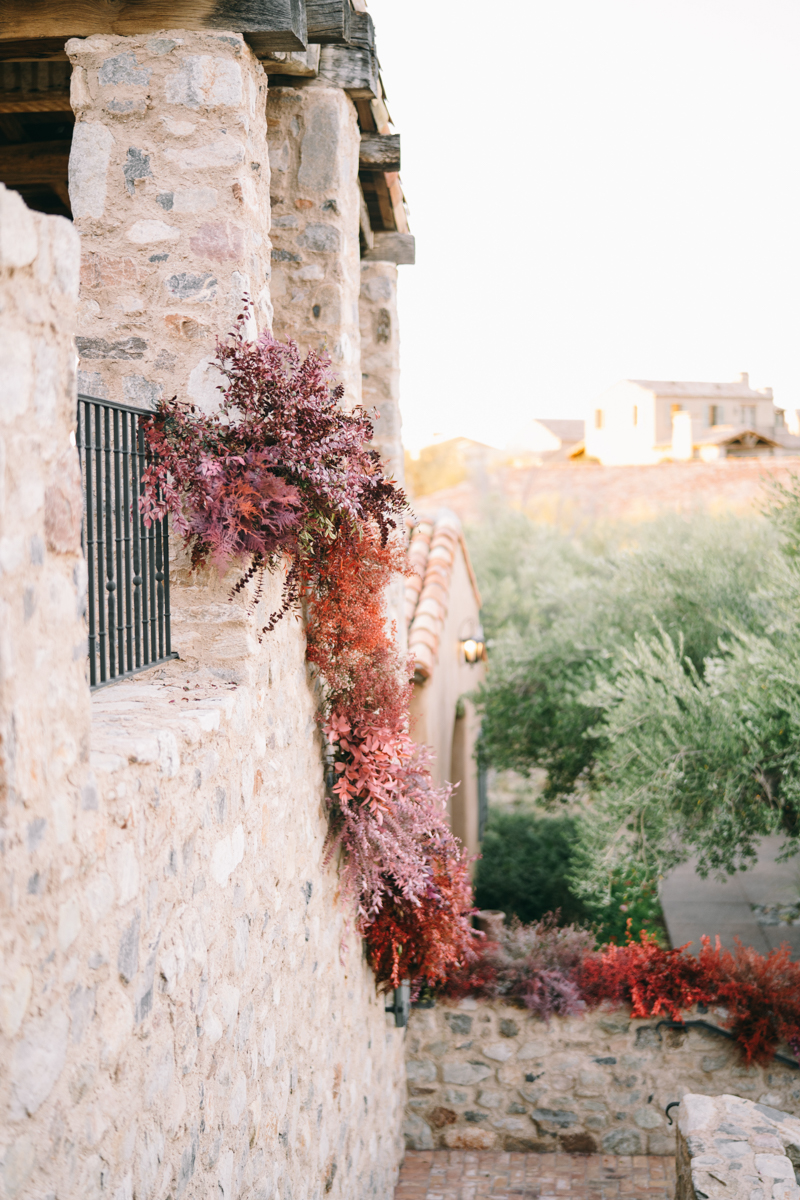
x=128, y=564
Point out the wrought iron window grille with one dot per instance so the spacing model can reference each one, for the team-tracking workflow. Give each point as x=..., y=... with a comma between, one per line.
x=128, y=564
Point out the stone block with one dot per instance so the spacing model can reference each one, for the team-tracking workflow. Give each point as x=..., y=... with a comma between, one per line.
x=19, y=240
x=420, y=1071
x=459, y=1023
x=457, y=1138
x=498, y=1051
x=621, y=1141
x=37, y=1062
x=555, y=1118
x=417, y=1133
x=465, y=1073
x=89, y=162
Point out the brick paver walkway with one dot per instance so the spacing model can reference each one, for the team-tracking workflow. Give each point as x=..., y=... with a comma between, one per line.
x=467, y=1175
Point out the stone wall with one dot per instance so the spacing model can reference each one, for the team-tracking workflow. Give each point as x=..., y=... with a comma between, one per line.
x=380, y=360
x=485, y=1075
x=185, y=1008
x=730, y=1147
x=313, y=149
x=169, y=184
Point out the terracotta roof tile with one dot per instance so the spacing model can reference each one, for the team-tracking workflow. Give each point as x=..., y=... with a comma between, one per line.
x=431, y=554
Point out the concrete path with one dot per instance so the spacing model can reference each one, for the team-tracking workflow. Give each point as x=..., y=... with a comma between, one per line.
x=694, y=906
x=486, y=1175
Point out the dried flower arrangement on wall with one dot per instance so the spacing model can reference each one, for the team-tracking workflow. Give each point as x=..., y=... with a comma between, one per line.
x=281, y=474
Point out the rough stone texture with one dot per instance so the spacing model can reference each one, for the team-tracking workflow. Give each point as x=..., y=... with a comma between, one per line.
x=600, y=1082
x=313, y=149
x=734, y=1148
x=193, y=1011
x=380, y=360
x=169, y=183
x=185, y=1008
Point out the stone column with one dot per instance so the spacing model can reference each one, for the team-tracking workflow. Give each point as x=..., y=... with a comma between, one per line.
x=314, y=144
x=169, y=185
x=380, y=360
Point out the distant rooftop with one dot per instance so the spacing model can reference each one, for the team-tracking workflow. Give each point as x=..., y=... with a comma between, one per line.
x=739, y=389
x=567, y=431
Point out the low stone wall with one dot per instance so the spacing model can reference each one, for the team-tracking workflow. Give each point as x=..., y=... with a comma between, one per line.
x=732, y=1148
x=486, y=1075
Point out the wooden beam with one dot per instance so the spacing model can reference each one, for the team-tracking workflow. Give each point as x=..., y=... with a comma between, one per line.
x=362, y=31
x=46, y=49
x=365, y=122
x=281, y=22
x=34, y=162
x=398, y=201
x=398, y=248
x=303, y=64
x=351, y=68
x=22, y=102
x=329, y=21
x=61, y=189
x=380, y=151
x=376, y=193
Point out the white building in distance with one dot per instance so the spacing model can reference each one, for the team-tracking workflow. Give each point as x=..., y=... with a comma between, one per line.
x=643, y=421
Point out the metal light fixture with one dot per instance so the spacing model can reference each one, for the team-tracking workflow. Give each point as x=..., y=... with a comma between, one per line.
x=471, y=643
x=402, y=1004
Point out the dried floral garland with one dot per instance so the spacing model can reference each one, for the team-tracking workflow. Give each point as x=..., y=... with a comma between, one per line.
x=281, y=470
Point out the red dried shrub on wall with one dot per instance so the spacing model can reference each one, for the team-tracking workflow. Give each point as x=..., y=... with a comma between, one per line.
x=281, y=471
x=756, y=998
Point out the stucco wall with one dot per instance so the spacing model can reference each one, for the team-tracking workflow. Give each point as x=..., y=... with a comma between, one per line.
x=184, y=1004
x=486, y=1075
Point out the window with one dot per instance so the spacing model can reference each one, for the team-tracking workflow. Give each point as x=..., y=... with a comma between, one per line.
x=635, y=414
x=749, y=415
x=598, y=418
x=715, y=414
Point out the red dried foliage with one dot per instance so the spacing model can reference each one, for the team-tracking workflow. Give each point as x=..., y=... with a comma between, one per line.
x=761, y=996
x=652, y=980
x=280, y=469
x=423, y=940
x=346, y=630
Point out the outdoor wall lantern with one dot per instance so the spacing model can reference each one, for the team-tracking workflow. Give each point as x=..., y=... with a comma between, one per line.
x=471, y=643
x=402, y=1004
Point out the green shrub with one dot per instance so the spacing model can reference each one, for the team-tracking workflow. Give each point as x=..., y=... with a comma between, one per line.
x=527, y=870
x=525, y=862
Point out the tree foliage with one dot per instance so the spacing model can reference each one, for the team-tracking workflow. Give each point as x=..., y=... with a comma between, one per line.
x=658, y=671
x=560, y=608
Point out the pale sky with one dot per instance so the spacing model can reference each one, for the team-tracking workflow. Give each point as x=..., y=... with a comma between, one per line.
x=599, y=189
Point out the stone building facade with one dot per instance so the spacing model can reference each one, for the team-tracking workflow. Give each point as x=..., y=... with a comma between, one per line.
x=184, y=1001
x=185, y=1006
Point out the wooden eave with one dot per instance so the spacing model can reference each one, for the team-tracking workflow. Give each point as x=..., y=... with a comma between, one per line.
x=278, y=24
x=383, y=192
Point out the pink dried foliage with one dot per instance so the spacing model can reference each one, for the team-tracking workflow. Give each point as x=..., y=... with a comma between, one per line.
x=280, y=469
x=534, y=963
x=387, y=817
